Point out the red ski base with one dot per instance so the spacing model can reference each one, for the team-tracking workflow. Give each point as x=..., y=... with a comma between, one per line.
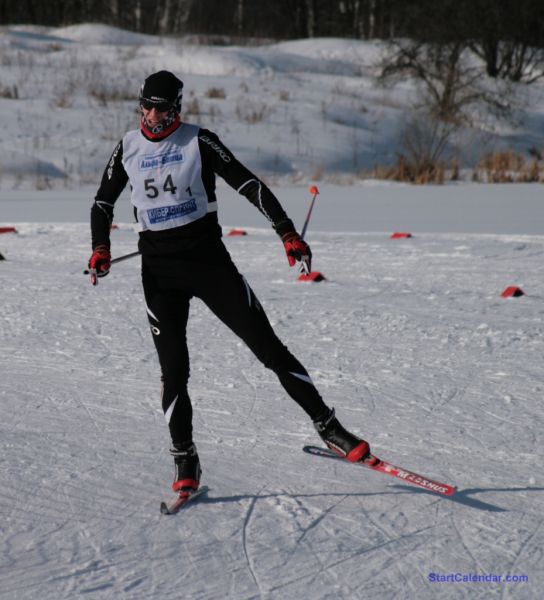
x=377, y=464
x=182, y=500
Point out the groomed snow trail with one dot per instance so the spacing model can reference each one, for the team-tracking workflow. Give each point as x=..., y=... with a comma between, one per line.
x=408, y=339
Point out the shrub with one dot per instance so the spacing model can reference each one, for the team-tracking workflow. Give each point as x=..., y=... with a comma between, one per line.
x=9, y=91
x=216, y=93
x=252, y=112
x=192, y=107
x=507, y=166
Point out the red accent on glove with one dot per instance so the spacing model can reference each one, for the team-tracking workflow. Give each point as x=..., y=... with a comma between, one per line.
x=296, y=249
x=99, y=263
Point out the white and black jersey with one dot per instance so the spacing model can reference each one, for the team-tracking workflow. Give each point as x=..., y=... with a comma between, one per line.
x=173, y=194
x=173, y=189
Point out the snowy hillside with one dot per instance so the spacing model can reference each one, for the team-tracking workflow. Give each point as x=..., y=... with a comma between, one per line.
x=293, y=110
x=409, y=339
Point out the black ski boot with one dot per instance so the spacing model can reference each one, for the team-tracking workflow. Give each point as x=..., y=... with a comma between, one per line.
x=188, y=471
x=339, y=440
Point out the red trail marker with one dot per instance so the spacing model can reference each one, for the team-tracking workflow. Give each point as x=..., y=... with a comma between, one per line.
x=512, y=292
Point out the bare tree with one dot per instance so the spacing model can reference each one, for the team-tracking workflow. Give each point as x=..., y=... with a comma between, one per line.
x=513, y=60
x=509, y=37
x=240, y=17
x=449, y=82
x=310, y=15
x=507, y=34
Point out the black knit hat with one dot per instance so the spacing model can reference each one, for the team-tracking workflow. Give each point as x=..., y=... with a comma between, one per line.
x=162, y=87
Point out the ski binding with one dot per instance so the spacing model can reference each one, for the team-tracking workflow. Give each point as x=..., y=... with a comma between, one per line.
x=182, y=500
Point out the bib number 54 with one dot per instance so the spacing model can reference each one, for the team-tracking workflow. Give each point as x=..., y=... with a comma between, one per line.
x=152, y=189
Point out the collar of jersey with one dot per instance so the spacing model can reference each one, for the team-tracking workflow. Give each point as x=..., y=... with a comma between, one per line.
x=155, y=137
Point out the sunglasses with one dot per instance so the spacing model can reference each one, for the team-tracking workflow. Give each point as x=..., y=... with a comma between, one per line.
x=158, y=106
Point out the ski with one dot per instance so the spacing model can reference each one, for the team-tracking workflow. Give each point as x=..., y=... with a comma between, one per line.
x=382, y=466
x=182, y=500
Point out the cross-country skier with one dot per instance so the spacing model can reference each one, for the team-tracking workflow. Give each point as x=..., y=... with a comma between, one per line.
x=171, y=166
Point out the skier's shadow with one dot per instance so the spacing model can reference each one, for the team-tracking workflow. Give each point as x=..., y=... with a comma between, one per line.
x=461, y=496
x=465, y=496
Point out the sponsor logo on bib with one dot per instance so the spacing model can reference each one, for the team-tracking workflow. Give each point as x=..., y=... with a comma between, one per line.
x=154, y=161
x=167, y=213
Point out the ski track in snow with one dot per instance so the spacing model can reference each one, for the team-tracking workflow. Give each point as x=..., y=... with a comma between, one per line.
x=409, y=340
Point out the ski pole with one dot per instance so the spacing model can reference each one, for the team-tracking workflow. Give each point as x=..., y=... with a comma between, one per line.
x=124, y=257
x=313, y=190
x=92, y=272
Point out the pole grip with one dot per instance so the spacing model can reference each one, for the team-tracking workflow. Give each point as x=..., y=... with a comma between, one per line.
x=116, y=260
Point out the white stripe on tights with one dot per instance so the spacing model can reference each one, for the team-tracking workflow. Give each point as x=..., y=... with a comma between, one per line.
x=305, y=378
x=168, y=413
x=248, y=290
x=151, y=314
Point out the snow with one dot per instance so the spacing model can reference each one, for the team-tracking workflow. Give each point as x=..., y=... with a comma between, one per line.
x=409, y=339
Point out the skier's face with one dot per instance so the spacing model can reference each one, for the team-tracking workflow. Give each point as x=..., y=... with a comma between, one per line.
x=153, y=116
